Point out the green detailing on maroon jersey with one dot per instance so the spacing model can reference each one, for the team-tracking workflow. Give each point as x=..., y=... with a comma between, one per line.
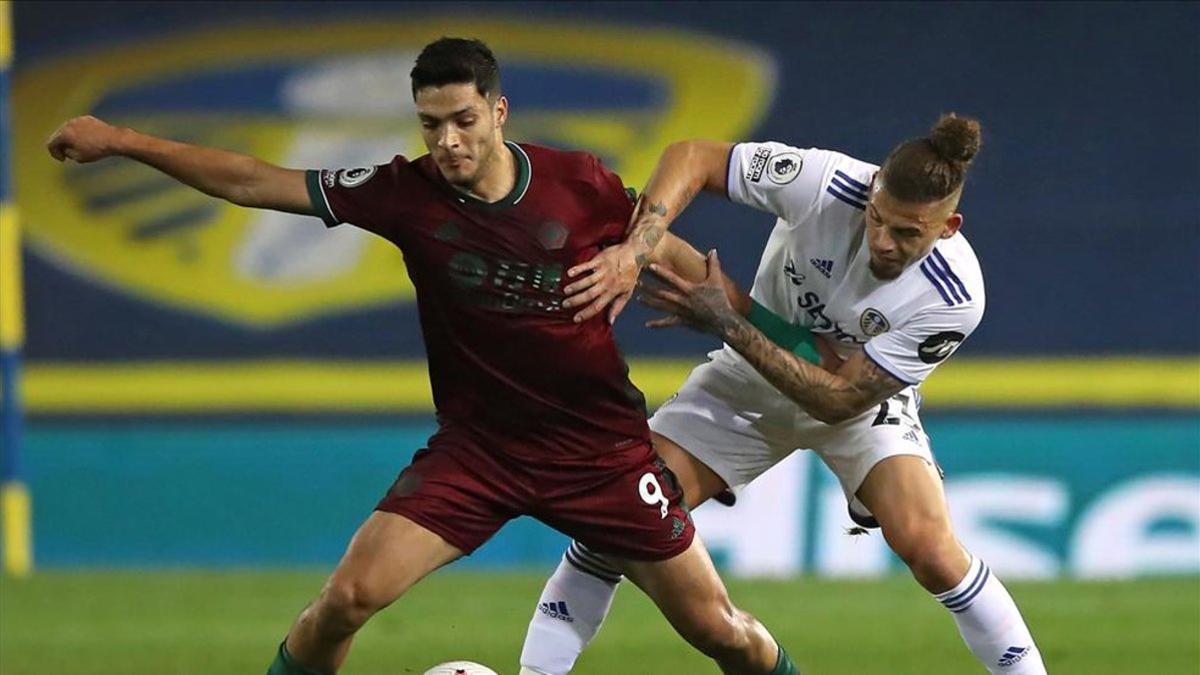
x=520, y=188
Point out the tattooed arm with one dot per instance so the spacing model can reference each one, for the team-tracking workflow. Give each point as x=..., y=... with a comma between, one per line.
x=683, y=170
x=856, y=387
x=830, y=397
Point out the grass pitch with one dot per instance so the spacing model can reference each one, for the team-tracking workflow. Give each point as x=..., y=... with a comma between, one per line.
x=98, y=623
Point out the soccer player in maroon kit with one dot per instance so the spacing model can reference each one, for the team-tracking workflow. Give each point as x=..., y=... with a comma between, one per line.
x=536, y=413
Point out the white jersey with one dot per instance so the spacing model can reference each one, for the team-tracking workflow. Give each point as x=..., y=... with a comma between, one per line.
x=814, y=270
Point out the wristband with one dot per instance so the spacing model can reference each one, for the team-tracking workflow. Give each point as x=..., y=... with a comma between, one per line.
x=796, y=339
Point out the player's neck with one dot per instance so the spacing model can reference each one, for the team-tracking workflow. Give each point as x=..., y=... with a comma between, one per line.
x=499, y=176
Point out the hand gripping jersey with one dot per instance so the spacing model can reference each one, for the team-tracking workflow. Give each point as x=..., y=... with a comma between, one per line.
x=814, y=270
x=504, y=357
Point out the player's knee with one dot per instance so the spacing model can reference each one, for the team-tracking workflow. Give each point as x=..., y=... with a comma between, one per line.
x=345, y=605
x=929, y=549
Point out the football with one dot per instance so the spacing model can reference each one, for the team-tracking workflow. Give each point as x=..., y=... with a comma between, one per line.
x=460, y=668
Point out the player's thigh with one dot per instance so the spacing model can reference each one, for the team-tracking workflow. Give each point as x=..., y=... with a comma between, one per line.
x=852, y=450
x=387, y=555
x=688, y=592
x=732, y=425
x=698, y=482
x=905, y=494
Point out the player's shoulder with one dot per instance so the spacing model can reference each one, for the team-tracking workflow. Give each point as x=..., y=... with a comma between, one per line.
x=564, y=163
x=951, y=278
x=578, y=172
x=393, y=172
x=369, y=180
x=800, y=183
x=845, y=181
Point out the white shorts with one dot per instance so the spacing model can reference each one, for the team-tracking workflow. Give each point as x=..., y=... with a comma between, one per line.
x=736, y=423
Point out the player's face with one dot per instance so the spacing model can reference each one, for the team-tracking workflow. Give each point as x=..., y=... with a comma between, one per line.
x=461, y=129
x=900, y=233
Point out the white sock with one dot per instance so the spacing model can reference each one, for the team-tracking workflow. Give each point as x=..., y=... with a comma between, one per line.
x=573, y=605
x=991, y=624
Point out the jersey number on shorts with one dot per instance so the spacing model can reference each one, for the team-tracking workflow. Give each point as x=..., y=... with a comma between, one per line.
x=652, y=493
x=883, y=417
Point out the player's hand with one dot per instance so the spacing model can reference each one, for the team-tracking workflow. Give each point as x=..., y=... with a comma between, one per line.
x=607, y=280
x=83, y=139
x=739, y=299
x=704, y=306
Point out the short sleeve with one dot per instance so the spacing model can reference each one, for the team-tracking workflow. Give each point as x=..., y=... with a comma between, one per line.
x=911, y=352
x=360, y=197
x=777, y=178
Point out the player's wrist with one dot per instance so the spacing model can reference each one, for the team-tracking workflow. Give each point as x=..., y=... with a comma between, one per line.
x=123, y=141
x=642, y=254
x=796, y=339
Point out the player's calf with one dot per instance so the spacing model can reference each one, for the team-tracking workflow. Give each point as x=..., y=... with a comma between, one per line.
x=733, y=638
x=690, y=595
x=906, y=498
x=387, y=555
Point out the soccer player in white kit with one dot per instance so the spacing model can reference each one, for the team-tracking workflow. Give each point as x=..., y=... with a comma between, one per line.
x=870, y=258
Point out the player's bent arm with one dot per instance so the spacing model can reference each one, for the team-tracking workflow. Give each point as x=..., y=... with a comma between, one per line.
x=832, y=398
x=683, y=169
x=237, y=178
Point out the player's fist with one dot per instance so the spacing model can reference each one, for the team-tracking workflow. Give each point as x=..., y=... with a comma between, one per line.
x=83, y=139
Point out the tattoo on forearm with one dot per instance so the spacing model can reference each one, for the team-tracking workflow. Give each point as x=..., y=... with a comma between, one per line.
x=658, y=209
x=648, y=233
x=818, y=391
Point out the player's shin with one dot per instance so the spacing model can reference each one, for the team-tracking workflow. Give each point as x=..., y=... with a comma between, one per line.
x=991, y=624
x=569, y=613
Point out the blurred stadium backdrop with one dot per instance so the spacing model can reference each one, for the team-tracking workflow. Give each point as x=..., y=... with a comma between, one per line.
x=209, y=387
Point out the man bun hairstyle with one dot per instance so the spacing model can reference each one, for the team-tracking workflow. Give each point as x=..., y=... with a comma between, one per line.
x=923, y=170
x=457, y=61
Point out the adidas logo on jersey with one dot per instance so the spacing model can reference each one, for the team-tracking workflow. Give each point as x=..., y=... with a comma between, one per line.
x=1012, y=655
x=556, y=610
x=823, y=266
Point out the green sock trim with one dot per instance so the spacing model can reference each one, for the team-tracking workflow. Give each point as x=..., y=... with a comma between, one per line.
x=784, y=665
x=284, y=665
x=796, y=339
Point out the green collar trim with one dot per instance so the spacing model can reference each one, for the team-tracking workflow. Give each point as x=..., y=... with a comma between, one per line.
x=514, y=197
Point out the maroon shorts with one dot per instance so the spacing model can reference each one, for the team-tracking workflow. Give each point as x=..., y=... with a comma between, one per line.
x=465, y=486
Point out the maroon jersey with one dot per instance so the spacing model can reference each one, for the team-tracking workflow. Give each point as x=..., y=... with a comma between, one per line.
x=505, y=357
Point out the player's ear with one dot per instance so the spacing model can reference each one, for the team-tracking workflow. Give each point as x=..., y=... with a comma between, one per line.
x=501, y=111
x=953, y=224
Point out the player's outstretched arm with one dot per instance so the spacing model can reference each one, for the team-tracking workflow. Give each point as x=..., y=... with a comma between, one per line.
x=830, y=397
x=683, y=170
x=241, y=179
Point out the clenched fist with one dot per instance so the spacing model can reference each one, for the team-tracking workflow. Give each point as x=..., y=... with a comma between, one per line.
x=83, y=139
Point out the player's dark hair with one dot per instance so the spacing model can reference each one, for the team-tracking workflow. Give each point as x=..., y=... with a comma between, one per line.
x=457, y=61
x=923, y=170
